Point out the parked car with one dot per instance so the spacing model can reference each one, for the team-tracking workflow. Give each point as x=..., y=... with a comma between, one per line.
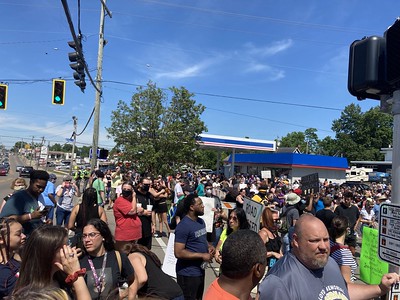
x=25, y=171
x=63, y=168
x=51, y=164
x=18, y=168
x=3, y=171
x=357, y=185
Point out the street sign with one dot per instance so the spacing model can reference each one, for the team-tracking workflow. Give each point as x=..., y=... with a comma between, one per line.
x=389, y=233
x=91, y=152
x=253, y=211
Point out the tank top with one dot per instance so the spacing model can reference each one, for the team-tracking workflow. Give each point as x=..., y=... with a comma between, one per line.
x=273, y=245
x=158, y=283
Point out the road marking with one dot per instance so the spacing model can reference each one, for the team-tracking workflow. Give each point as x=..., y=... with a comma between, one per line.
x=163, y=246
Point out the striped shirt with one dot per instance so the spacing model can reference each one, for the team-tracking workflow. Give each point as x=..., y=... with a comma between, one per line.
x=343, y=257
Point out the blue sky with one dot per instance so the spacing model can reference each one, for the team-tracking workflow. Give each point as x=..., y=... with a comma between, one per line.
x=246, y=61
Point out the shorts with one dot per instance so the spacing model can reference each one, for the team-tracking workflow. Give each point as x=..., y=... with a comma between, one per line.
x=160, y=207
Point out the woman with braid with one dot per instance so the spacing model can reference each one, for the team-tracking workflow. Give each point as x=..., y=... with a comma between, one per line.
x=11, y=240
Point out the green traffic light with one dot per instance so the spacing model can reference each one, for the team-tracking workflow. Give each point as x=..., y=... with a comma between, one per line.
x=1, y=103
x=57, y=98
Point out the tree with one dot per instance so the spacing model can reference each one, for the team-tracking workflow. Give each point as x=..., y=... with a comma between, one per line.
x=157, y=138
x=360, y=136
x=293, y=140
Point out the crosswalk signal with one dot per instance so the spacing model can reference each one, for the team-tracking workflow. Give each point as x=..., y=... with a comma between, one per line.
x=3, y=96
x=58, y=91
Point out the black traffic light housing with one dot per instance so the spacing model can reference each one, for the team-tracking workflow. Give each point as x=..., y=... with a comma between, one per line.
x=392, y=35
x=3, y=96
x=58, y=91
x=367, y=68
x=78, y=64
x=103, y=154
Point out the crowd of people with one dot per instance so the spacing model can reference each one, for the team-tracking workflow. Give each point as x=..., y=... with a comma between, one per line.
x=303, y=241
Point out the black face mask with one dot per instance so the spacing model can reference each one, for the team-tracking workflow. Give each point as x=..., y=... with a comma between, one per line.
x=145, y=187
x=126, y=193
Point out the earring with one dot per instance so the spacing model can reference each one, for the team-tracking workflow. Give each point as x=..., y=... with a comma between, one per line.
x=103, y=240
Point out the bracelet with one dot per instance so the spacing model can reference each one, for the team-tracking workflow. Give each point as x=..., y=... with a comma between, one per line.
x=74, y=277
x=30, y=216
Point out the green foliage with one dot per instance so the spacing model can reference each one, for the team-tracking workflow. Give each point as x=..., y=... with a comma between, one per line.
x=156, y=135
x=359, y=136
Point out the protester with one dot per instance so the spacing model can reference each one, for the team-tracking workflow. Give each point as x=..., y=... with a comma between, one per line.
x=128, y=227
x=326, y=215
x=269, y=234
x=243, y=265
x=106, y=268
x=66, y=193
x=24, y=205
x=12, y=239
x=308, y=272
x=150, y=280
x=88, y=209
x=237, y=220
x=351, y=212
x=191, y=249
x=145, y=211
x=291, y=214
x=339, y=251
x=98, y=184
x=16, y=185
x=49, y=196
x=47, y=261
x=367, y=215
x=160, y=194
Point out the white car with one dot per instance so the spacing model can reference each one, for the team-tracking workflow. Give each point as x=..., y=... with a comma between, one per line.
x=63, y=167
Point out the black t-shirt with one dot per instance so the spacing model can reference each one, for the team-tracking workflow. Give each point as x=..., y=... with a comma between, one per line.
x=326, y=216
x=145, y=199
x=352, y=213
x=112, y=274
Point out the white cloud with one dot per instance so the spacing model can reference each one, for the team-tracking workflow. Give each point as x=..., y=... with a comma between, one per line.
x=272, y=49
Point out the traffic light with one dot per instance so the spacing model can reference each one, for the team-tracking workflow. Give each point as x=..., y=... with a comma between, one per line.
x=103, y=154
x=393, y=53
x=367, y=68
x=58, y=91
x=3, y=96
x=78, y=64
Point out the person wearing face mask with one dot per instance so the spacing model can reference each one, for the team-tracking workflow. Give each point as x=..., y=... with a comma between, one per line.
x=16, y=185
x=49, y=196
x=145, y=202
x=128, y=226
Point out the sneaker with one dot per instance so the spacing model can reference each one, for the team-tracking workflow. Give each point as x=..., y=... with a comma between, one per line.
x=156, y=235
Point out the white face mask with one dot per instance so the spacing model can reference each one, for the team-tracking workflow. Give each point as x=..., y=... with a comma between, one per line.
x=208, y=192
x=19, y=187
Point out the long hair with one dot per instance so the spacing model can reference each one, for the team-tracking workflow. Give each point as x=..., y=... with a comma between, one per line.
x=38, y=254
x=242, y=220
x=131, y=248
x=105, y=232
x=267, y=220
x=88, y=206
x=5, y=232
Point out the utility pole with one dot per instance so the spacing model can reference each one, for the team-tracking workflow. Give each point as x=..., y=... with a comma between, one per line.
x=30, y=159
x=75, y=119
x=40, y=153
x=95, y=144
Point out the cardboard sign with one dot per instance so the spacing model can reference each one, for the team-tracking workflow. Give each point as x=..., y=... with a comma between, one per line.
x=253, y=211
x=310, y=184
x=169, y=263
x=371, y=267
x=208, y=217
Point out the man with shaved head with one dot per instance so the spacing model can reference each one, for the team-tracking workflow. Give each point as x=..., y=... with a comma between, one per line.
x=308, y=272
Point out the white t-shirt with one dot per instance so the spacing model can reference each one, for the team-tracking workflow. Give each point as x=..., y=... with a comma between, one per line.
x=178, y=191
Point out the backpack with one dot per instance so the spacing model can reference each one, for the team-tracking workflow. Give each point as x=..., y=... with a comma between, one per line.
x=284, y=221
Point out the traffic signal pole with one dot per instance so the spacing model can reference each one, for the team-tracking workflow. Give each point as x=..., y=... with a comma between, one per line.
x=96, y=121
x=395, y=157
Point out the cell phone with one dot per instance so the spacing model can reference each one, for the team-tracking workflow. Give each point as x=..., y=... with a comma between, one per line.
x=47, y=208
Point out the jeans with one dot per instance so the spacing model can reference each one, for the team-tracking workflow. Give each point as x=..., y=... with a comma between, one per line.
x=192, y=287
x=62, y=215
x=50, y=214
